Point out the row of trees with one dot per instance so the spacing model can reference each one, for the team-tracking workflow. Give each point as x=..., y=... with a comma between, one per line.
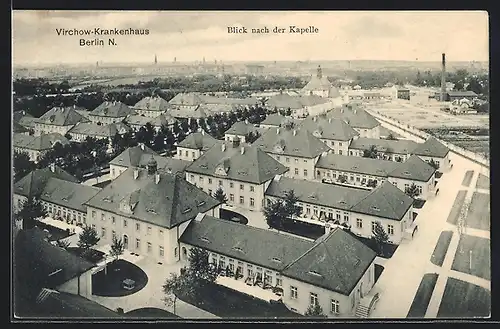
x=461, y=79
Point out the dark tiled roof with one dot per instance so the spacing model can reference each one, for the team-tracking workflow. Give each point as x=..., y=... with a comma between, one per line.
x=277, y=120
x=186, y=99
x=68, y=194
x=329, y=128
x=162, y=119
x=27, y=121
x=62, y=116
x=338, y=259
x=402, y=146
x=64, y=305
x=195, y=113
x=169, y=165
x=292, y=142
x=112, y=109
x=413, y=168
x=355, y=117
x=358, y=165
x=386, y=201
x=431, y=148
x=318, y=83
x=17, y=128
x=38, y=143
x=225, y=161
x=336, y=262
x=285, y=101
x=152, y=104
x=131, y=157
x=34, y=183
x=167, y=203
x=48, y=258
x=228, y=100
x=243, y=128
x=311, y=100
x=198, y=140
x=17, y=115
x=93, y=129
x=251, y=244
x=327, y=195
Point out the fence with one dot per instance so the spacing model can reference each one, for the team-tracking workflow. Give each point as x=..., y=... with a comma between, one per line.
x=424, y=136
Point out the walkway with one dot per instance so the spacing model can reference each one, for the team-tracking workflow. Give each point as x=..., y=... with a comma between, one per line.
x=402, y=274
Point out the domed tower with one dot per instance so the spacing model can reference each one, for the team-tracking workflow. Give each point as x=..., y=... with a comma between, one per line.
x=152, y=166
x=319, y=73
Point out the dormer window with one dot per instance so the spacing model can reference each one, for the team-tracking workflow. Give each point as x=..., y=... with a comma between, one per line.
x=277, y=260
x=65, y=199
x=406, y=173
x=185, y=211
x=315, y=274
x=201, y=203
x=375, y=208
x=238, y=249
x=205, y=240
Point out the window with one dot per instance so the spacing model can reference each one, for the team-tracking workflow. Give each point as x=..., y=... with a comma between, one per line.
x=318, y=173
x=334, y=306
x=149, y=247
x=222, y=262
x=252, y=189
x=231, y=265
x=220, y=183
x=231, y=197
x=373, y=225
x=287, y=160
x=346, y=217
x=113, y=220
x=113, y=234
x=296, y=171
x=192, y=177
x=160, y=232
x=407, y=186
x=252, y=202
x=193, y=154
x=231, y=184
x=351, y=153
x=278, y=157
x=313, y=299
x=340, y=152
x=162, y=252
x=337, y=216
x=242, y=187
x=149, y=230
x=242, y=200
x=315, y=211
x=305, y=172
x=390, y=229
x=293, y=292
x=250, y=270
x=102, y=216
x=93, y=226
x=358, y=178
x=210, y=181
x=359, y=223
x=305, y=160
x=351, y=178
x=332, y=143
x=137, y=226
x=201, y=179
x=340, y=143
x=137, y=243
x=334, y=175
x=419, y=189
x=308, y=210
x=296, y=160
x=103, y=232
x=93, y=213
x=279, y=282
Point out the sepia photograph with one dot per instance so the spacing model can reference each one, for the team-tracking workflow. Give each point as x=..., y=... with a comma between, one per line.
x=245, y=165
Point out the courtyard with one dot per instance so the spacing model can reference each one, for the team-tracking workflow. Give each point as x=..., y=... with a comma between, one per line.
x=464, y=300
x=473, y=257
x=478, y=216
x=456, y=207
x=483, y=182
x=120, y=278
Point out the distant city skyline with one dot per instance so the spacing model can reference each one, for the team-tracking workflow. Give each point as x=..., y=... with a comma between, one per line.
x=193, y=36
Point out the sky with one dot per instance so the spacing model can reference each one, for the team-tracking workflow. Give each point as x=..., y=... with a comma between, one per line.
x=190, y=36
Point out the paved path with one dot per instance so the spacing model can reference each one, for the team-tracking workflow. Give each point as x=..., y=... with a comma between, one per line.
x=403, y=273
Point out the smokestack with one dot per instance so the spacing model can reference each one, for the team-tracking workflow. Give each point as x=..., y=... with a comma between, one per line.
x=443, y=78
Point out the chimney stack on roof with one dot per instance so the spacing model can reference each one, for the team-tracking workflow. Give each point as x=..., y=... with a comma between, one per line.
x=329, y=120
x=223, y=147
x=136, y=173
x=295, y=132
x=354, y=111
x=278, y=131
x=74, y=106
x=142, y=146
x=157, y=178
x=242, y=150
x=328, y=228
x=52, y=167
x=203, y=132
x=315, y=119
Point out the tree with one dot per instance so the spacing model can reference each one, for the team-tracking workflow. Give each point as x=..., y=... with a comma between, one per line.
x=371, y=183
x=200, y=269
x=176, y=285
x=412, y=191
x=117, y=248
x=220, y=195
x=434, y=164
x=380, y=236
x=291, y=207
x=391, y=137
x=342, y=179
x=88, y=238
x=372, y=152
x=462, y=220
x=275, y=212
x=315, y=311
x=22, y=165
x=63, y=244
x=31, y=209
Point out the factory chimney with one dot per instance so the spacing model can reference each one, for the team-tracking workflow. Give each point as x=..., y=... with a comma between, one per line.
x=443, y=78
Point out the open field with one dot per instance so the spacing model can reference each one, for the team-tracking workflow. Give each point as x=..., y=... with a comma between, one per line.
x=457, y=206
x=437, y=257
x=423, y=296
x=464, y=300
x=473, y=256
x=478, y=216
x=483, y=182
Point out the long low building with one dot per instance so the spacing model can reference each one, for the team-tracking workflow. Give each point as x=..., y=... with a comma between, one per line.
x=369, y=173
x=358, y=208
x=83, y=130
x=394, y=150
x=36, y=146
x=335, y=272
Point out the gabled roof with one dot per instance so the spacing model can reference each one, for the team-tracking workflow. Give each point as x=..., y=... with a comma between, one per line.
x=27, y=121
x=131, y=157
x=162, y=119
x=17, y=128
x=401, y=146
x=355, y=117
x=354, y=164
x=337, y=259
x=326, y=195
x=292, y=142
x=336, y=262
x=318, y=83
x=38, y=143
x=467, y=93
x=386, y=201
x=199, y=141
x=431, y=148
x=311, y=100
x=277, y=120
x=17, y=115
x=254, y=245
x=414, y=168
x=184, y=113
x=186, y=99
x=34, y=183
x=62, y=116
x=93, y=129
x=47, y=258
x=68, y=194
x=329, y=128
x=112, y=109
x=243, y=128
x=250, y=165
x=168, y=203
x=228, y=100
x=155, y=103
x=285, y=101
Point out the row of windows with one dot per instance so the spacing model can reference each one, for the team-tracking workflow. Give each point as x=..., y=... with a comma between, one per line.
x=221, y=183
x=149, y=229
x=259, y=273
x=287, y=159
x=350, y=177
x=296, y=171
x=193, y=154
x=161, y=250
x=313, y=300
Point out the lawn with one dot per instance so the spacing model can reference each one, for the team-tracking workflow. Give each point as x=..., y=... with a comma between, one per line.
x=388, y=249
x=233, y=216
x=228, y=303
x=457, y=206
x=92, y=255
x=475, y=249
x=378, y=271
x=110, y=284
x=483, y=182
x=151, y=312
x=418, y=203
x=307, y=230
x=423, y=296
x=464, y=300
x=467, y=178
x=437, y=257
x=479, y=212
